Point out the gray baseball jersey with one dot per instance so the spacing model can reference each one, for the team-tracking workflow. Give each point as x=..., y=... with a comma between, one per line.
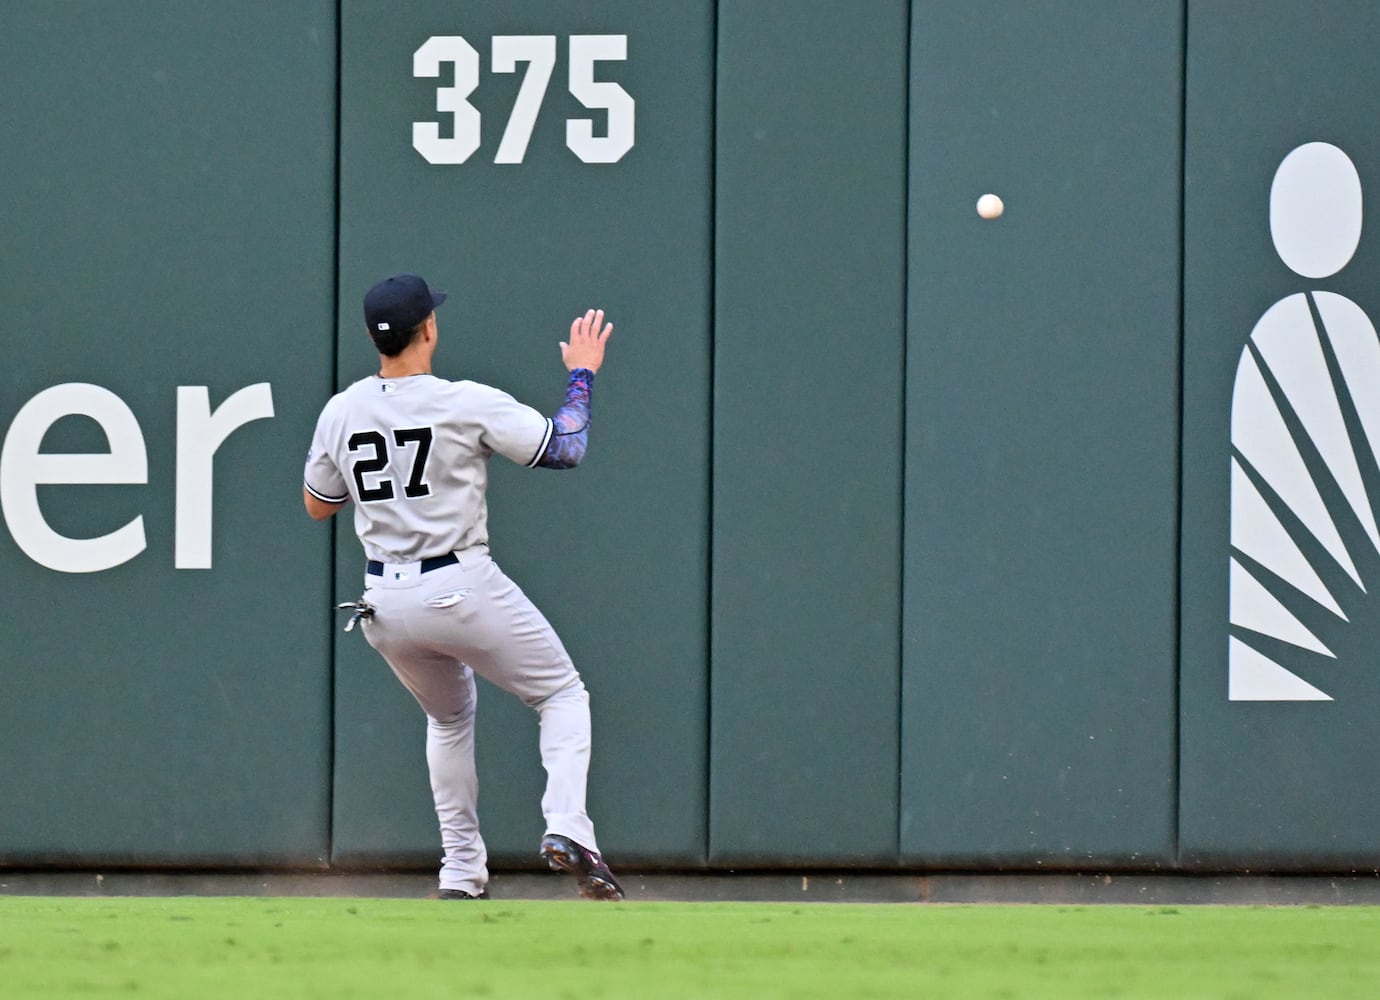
x=412, y=453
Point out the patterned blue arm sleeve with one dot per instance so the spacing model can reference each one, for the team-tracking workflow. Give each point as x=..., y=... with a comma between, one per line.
x=571, y=424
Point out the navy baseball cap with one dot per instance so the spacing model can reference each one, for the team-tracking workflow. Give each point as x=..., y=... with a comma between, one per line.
x=399, y=303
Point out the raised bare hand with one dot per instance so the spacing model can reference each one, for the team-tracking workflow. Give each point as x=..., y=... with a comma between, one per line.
x=588, y=335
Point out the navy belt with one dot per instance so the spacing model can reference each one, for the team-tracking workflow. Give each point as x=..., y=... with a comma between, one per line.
x=375, y=568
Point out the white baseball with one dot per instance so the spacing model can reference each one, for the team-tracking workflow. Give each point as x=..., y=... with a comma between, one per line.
x=989, y=206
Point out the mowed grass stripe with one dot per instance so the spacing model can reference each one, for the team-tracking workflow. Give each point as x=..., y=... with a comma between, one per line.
x=339, y=948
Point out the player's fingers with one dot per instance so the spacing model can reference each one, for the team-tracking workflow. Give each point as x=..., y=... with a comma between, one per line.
x=608, y=329
x=575, y=328
x=598, y=323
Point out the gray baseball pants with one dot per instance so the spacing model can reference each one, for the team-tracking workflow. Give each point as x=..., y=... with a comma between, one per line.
x=437, y=630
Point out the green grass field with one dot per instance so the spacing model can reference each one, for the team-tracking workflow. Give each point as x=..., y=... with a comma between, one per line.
x=276, y=947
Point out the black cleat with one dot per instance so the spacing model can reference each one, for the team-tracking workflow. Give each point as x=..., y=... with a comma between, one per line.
x=595, y=879
x=460, y=894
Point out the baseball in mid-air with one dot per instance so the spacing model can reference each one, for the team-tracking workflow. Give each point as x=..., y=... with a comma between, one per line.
x=989, y=206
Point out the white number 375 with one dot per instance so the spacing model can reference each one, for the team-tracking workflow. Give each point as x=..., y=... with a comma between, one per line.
x=539, y=53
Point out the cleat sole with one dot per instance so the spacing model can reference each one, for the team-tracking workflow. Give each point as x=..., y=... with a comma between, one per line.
x=590, y=886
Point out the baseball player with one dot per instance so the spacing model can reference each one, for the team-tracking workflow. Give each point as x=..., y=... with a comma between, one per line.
x=411, y=451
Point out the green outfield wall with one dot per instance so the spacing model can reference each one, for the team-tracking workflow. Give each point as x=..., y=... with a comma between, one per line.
x=1038, y=668
x=615, y=553
x=808, y=326
x=169, y=225
x=906, y=541
x=1278, y=783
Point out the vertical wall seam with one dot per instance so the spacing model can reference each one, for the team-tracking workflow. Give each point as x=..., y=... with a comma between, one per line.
x=335, y=369
x=905, y=381
x=713, y=385
x=1176, y=798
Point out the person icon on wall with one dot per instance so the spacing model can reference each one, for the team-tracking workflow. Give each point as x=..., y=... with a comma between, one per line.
x=1287, y=418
